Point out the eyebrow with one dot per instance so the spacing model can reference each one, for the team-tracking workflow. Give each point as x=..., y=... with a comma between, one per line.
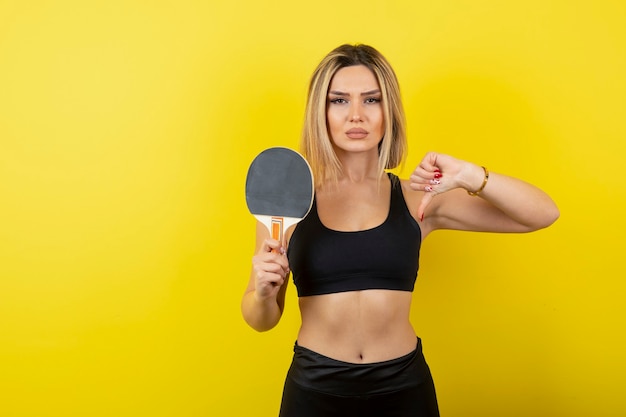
x=365, y=93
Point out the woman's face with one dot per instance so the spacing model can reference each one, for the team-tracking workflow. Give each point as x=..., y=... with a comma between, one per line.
x=354, y=110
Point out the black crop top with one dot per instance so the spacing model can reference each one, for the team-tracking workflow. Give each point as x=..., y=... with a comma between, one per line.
x=326, y=261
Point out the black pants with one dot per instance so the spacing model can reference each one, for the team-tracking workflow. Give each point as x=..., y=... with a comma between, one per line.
x=318, y=386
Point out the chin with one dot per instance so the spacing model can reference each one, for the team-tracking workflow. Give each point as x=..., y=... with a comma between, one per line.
x=356, y=145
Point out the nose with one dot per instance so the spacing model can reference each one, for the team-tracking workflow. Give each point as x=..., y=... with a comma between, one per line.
x=355, y=113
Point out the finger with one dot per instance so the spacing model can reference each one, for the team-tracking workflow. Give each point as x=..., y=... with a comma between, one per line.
x=273, y=258
x=429, y=162
x=267, y=288
x=420, y=177
x=426, y=174
x=272, y=245
x=424, y=171
x=265, y=279
x=270, y=280
x=271, y=262
x=426, y=199
x=421, y=184
x=271, y=267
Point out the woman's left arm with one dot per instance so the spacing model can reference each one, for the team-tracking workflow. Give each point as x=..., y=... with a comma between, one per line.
x=504, y=204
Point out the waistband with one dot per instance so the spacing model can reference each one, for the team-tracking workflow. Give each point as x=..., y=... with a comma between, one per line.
x=317, y=372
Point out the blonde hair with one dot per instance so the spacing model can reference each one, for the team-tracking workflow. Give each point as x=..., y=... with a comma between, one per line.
x=316, y=144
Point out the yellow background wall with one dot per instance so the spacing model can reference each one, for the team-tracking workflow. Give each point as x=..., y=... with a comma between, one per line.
x=126, y=128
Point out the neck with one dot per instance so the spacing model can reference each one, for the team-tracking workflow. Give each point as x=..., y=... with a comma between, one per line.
x=359, y=167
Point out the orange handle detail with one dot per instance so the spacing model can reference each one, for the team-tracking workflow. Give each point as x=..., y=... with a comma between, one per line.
x=277, y=229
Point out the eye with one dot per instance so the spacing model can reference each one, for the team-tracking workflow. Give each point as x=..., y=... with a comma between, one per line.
x=338, y=100
x=372, y=100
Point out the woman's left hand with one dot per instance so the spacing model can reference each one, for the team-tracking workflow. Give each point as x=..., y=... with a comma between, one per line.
x=438, y=173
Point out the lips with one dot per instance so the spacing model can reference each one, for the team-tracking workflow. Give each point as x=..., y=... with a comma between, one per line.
x=356, y=133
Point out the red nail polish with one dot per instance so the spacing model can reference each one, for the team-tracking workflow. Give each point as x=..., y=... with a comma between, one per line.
x=422, y=217
x=436, y=170
x=438, y=175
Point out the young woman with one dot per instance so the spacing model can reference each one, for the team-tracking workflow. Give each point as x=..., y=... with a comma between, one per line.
x=355, y=256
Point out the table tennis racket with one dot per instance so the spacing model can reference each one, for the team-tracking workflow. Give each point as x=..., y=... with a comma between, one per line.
x=279, y=189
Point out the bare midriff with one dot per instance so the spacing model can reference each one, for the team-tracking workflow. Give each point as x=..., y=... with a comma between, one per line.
x=358, y=326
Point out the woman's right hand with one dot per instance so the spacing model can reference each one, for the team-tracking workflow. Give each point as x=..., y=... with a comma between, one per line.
x=270, y=268
x=263, y=302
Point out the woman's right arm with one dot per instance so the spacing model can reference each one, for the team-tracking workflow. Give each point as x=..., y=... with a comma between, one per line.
x=264, y=300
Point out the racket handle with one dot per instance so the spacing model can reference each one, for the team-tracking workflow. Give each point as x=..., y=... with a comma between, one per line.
x=277, y=229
